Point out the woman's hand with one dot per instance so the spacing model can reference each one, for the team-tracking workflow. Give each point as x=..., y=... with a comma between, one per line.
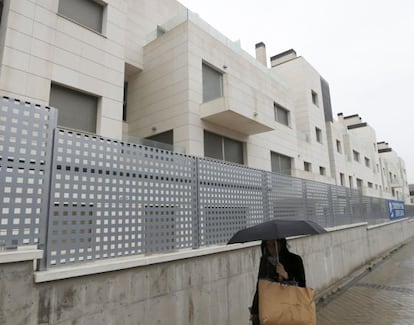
x=280, y=269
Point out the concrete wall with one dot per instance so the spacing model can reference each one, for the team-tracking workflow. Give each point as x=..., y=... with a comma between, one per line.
x=214, y=287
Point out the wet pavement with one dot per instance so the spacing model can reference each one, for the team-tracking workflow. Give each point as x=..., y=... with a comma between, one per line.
x=383, y=296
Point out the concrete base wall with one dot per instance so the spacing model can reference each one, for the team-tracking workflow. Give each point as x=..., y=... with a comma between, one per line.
x=209, y=290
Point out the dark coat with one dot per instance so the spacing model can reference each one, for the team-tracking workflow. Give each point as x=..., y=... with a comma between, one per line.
x=293, y=265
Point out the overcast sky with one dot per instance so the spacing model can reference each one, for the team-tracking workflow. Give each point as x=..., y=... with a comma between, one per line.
x=363, y=48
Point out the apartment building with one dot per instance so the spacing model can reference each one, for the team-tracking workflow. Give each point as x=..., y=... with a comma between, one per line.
x=151, y=69
x=77, y=54
x=360, y=161
x=310, y=95
x=394, y=175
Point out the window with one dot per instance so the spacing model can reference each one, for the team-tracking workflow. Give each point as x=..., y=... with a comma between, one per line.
x=351, y=181
x=356, y=155
x=322, y=170
x=359, y=183
x=88, y=13
x=307, y=166
x=1, y=9
x=212, y=83
x=318, y=133
x=338, y=146
x=166, y=137
x=282, y=115
x=367, y=162
x=76, y=110
x=281, y=164
x=342, y=179
x=219, y=147
x=125, y=102
x=370, y=185
x=315, y=100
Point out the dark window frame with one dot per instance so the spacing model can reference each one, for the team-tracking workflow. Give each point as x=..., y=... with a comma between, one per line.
x=315, y=98
x=278, y=160
x=66, y=11
x=282, y=115
x=224, y=152
x=208, y=93
x=69, y=115
x=318, y=134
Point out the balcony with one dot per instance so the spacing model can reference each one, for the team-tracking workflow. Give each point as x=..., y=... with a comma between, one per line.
x=218, y=112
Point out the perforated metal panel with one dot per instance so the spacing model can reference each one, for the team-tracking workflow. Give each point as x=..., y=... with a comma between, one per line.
x=112, y=198
x=230, y=198
x=25, y=156
x=342, y=211
x=409, y=211
x=376, y=210
x=286, y=197
x=100, y=198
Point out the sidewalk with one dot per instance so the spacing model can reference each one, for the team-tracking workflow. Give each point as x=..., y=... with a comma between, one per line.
x=383, y=296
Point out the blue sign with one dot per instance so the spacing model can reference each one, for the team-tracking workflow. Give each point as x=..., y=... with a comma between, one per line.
x=396, y=209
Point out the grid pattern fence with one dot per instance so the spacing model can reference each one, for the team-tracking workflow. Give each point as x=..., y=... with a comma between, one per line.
x=230, y=198
x=25, y=155
x=85, y=197
x=409, y=211
x=110, y=199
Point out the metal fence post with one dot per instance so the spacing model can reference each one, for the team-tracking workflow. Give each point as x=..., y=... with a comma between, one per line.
x=266, y=188
x=196, y=218
x=44, y=224
x=331, y=209
x=305, y=198
x=45, y=228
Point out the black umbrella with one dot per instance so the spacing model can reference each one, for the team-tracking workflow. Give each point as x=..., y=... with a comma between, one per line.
x=275, y=229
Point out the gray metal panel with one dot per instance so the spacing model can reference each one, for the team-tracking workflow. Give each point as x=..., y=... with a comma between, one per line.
x=409, y=211
x=286, y=198
x=25, y=156
x=230, y=198
x=342, y=211
x=111, y=198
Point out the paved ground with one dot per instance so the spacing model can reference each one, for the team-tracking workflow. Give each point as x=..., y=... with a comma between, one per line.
x=383, y=296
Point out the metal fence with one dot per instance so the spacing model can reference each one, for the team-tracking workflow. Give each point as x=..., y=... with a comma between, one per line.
x=409, y=211
x=85, y=197
x=25, y=156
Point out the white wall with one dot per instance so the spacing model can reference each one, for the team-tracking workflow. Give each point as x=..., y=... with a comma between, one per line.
x=168, y=94
x=301, y=79
x=42, y=46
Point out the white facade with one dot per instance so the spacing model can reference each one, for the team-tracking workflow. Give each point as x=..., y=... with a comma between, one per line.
x=411, y=188
x=40, y=46
x=394, y=174
x=160, y=49
x=304, y=85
